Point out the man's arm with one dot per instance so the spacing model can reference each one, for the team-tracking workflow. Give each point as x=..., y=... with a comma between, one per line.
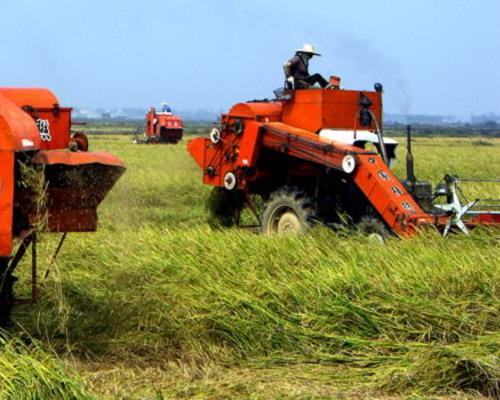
x=289, y=67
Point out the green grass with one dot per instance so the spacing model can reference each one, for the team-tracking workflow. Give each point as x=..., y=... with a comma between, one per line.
x=157, y=305
x=29, y=372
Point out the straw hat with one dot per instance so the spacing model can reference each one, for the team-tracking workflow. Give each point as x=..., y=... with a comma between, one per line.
x=308, y=48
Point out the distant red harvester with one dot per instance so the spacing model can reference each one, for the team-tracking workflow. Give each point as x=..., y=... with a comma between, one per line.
x=162, y=127
x=306, y=155
x=47, y=178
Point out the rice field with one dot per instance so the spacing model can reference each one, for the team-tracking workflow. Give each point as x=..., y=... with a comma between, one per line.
x=158, y=305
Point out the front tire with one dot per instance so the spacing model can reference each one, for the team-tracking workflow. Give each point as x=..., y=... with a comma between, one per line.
x=153, y=139
x=289, y=210
x=374, y=229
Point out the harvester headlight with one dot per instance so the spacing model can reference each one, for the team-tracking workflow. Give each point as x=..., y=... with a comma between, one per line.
x=348, y=164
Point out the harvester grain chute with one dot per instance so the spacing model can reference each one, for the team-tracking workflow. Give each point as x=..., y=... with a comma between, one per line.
x=319, y=155
x=48, y=180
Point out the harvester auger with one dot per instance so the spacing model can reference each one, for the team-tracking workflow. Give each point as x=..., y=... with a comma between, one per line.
x=306, y=155
x=48, y=180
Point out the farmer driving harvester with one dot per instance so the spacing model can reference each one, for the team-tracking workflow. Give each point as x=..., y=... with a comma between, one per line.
x=165, y=108
x=297, y=73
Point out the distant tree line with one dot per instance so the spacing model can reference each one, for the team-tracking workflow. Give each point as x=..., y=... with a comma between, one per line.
x=483, y=130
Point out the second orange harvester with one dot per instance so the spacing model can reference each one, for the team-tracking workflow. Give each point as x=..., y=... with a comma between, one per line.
x=162, y=127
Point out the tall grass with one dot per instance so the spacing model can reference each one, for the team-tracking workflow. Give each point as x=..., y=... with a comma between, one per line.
x=28, y=372
x=156, y=289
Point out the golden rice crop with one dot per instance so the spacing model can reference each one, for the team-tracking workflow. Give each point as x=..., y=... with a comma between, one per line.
x=156, y=304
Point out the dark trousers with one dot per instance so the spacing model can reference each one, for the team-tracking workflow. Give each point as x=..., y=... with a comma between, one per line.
x=306, y=83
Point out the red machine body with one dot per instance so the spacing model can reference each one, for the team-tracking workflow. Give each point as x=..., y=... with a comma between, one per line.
x=35, y=135
x=314, y=143
x=162, y=127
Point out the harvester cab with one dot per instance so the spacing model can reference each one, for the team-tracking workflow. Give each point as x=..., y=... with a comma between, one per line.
x=48, y=180
x=316, y=155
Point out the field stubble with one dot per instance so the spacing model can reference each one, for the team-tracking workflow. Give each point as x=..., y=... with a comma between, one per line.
x=158, y=305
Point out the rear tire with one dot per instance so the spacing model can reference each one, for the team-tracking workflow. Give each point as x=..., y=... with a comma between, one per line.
x=153, y=139
x=289, y=210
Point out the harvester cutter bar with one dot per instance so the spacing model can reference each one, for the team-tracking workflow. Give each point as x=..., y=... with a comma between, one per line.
x=482, y=214
x=478, y=180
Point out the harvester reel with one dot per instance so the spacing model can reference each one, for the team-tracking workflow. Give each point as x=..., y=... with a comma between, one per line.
x=456, y=209
x=215, y=136
x=289, y=210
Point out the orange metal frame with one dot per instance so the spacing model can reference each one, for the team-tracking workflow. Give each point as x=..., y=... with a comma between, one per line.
x=34, y=128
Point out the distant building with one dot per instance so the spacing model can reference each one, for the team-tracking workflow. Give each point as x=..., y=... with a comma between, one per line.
x=85, y=113
x=488, y=119
x=420, y=119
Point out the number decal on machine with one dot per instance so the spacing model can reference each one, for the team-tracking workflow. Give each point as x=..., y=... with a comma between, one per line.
x=44, y=129
x=407, y=206
x=396, y=190
x=384, y=176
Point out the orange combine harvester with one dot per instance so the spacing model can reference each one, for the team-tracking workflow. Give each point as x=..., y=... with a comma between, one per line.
x=48, y=180
x=319, y=155
x=161, y=127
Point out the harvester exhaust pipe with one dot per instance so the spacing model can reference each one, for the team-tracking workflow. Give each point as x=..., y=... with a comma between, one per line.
x=380, y=135
x=410, y=172
x=366, y=116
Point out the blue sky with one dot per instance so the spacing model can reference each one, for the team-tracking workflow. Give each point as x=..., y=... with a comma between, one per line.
x=433, y=57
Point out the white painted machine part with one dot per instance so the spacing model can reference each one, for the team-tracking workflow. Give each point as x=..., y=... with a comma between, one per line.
x=358, y=139
x=215, y=136
x=348, y=164
x=230, y=181
x=457, y=209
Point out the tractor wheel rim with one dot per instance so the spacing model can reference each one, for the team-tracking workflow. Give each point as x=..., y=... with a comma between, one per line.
x=376, y=237
x=288, y=222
